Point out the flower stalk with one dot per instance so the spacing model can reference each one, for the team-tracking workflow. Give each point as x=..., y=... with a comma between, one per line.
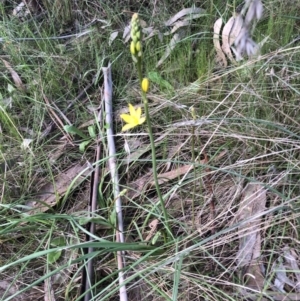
x=136, y=50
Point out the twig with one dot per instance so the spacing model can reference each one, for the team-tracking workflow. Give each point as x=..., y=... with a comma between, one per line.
x=114, y=174
x=55, y=119
x=89, y=276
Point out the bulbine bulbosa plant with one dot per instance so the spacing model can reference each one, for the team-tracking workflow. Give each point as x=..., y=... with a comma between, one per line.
x=134, y=118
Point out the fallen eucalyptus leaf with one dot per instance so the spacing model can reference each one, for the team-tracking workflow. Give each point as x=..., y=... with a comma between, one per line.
x=184, y=12
x=226, y=37
x=112, y=37
x=15, y=76
x=174, y=41
x=221, y=58
x=236, y=29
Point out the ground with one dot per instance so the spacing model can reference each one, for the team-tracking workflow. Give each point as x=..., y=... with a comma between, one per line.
x=225, y=140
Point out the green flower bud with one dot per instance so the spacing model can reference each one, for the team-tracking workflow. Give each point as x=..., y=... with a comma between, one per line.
x=138, y=46
x=135, y=17
x=132, y=47
x=134, y=58
x=134, y=39
x=132, y=35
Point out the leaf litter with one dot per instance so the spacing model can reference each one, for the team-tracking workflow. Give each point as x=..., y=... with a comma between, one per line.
x=236, y=37
x=51, y=193
x=253, y=241
x=251, y=208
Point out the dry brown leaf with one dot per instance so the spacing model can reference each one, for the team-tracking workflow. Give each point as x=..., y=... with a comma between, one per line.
x=145, y=182
x=153, y=228
x=173, y=174
x=21, y=11
x=15, y=76
x=179, y=24
x=281, y=278
x=252, y=206
x=48, y=289
x=8, y=289
x=139, y=186
x=291, y=258
x=236, y=29
x=226, y=36
x=149, y=32
x=283, y=268
x=185, y=22
x=126, y=33
x=221, y=58
x=57, y=152
x=112, y=37
x=50, y=194
x=175, y=39
x=191, y=13
x=184, y=12
x=254, y=277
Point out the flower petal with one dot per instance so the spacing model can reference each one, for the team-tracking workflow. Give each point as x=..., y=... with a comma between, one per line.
x=131, y=109
x=127, y=127
x=127, y=118
x=142, y=120
x=138, y=113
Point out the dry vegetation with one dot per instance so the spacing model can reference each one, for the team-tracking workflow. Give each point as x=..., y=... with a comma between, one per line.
x=227, y=138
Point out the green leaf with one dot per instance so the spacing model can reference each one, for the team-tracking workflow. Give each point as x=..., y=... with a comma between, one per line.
x=56, y=242
x=113, y=217
x=156, y=78
x=83, y=145
x=10, y=88
x=71, y=129
x=92, y=131
x=53, y=256
x=156, y=237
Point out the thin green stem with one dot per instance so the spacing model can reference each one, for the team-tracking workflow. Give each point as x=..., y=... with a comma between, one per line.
x=154, y=164
x=139, y=69
x=194, y=186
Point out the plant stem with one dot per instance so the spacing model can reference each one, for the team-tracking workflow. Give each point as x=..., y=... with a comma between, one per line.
x=194, y=186
x=154, y=164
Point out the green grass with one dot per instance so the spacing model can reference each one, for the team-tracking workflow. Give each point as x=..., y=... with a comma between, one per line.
x=252, y=135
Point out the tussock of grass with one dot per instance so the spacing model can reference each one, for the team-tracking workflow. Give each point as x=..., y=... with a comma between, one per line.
x=251, y=134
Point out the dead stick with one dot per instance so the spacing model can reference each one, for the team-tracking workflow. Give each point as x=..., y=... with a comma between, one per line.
x=114, y=173
x=89, y=279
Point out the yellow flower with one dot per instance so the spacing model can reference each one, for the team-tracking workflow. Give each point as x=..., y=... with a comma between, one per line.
x=145, y=84
x=133, y=118
x=135, y=17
